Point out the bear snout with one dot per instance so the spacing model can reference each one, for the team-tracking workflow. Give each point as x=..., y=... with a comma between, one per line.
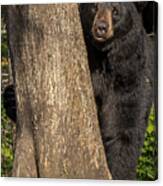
x=101, y=28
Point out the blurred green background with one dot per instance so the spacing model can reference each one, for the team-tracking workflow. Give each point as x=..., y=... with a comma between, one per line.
x=147, y=166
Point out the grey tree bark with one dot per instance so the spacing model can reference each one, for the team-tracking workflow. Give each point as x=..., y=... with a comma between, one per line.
x=58, y=133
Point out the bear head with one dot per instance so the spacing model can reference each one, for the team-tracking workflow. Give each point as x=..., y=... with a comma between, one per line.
x=103, y=22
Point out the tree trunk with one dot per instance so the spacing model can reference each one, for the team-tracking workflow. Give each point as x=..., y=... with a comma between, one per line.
x=57, y=134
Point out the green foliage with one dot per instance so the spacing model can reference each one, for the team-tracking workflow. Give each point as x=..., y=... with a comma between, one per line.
x=4, y=50
x=147, y=165
x=6, y=125
x=4, y=47
x=6, y=143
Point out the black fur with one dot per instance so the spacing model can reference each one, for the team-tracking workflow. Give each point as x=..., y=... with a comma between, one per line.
x=121, y=70
x=9, y=102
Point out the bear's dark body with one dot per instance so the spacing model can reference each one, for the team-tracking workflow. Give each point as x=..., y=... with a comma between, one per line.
x=122, y=78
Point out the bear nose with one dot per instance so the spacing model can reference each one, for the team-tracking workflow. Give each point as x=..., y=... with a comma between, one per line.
x=101, y=28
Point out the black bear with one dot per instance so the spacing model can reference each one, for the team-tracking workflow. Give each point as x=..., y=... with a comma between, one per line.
x=121, y=62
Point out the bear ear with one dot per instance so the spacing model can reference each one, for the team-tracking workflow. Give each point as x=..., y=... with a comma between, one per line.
x=140, y=6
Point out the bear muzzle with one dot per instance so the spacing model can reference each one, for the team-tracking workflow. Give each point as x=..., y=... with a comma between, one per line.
x=102, y=28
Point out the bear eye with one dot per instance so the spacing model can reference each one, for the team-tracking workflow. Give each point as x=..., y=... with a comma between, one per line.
x=115, y=11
